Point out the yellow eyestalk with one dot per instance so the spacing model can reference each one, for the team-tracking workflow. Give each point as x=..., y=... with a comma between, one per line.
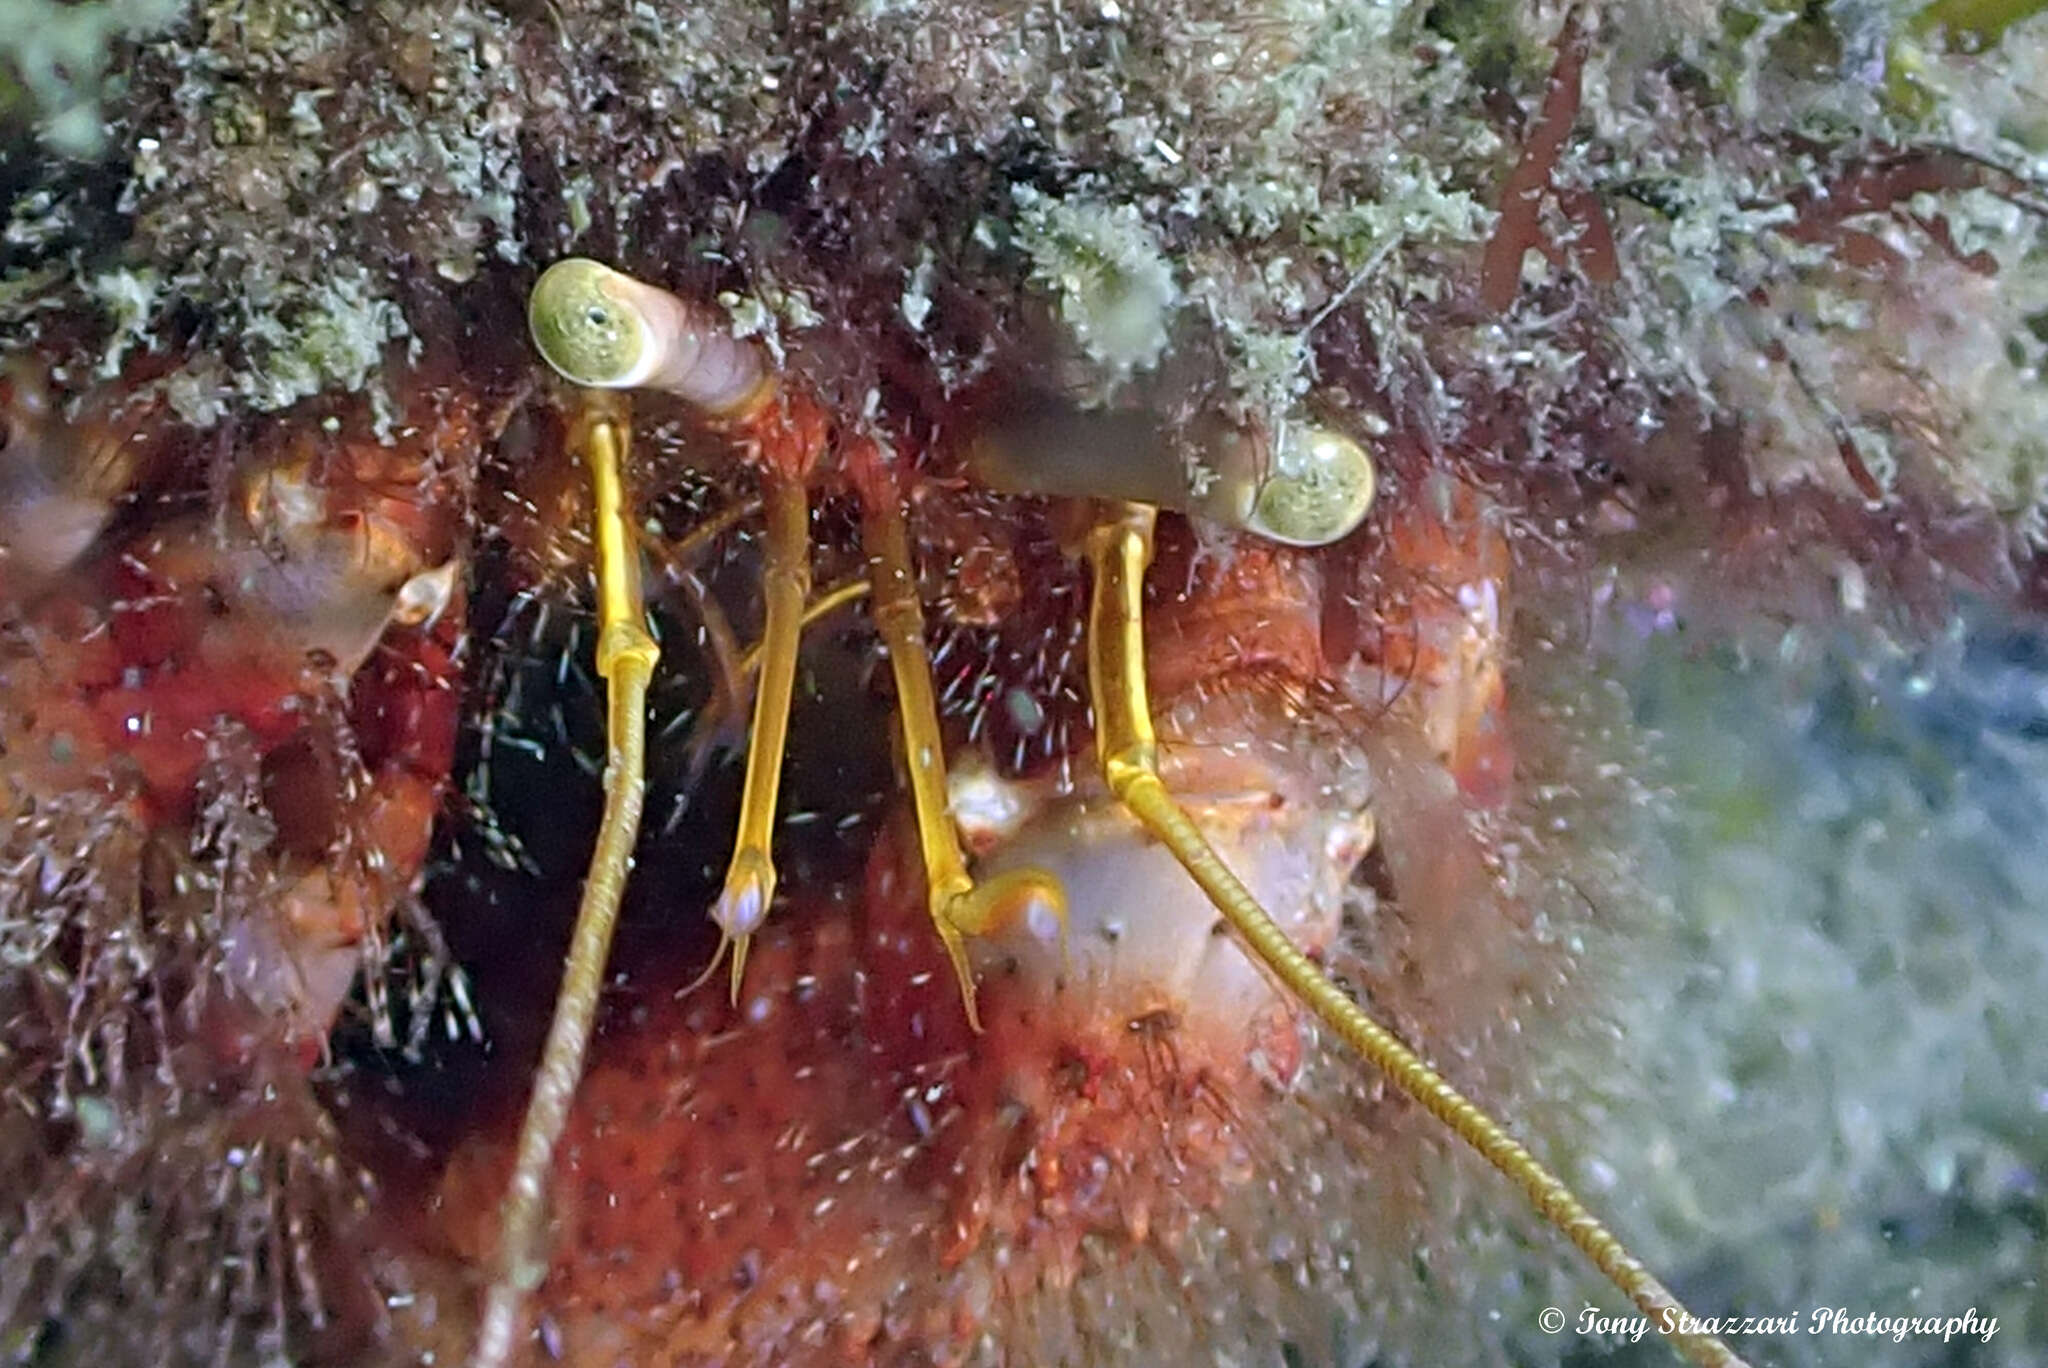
x=626, y=655
x=602, y=328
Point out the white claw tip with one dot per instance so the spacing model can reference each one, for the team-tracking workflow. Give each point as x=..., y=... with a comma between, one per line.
x=1045, y=920
x=741, y=908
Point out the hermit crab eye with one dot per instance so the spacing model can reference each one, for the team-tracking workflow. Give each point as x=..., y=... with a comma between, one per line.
x=1302, y=485
x=586, y=327
x=1320, y=488
x=602, y=328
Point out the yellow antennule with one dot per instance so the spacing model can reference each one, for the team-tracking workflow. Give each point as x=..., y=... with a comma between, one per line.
x=1119, y=550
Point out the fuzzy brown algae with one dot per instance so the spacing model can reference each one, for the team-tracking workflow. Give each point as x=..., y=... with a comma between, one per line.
x=1313, y=409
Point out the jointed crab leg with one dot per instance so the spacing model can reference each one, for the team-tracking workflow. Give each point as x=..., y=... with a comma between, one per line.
x=786, y=583
x=626, y=655
x=600, y=327
x=678, y=562
x=959, y=907
x=1119, y=550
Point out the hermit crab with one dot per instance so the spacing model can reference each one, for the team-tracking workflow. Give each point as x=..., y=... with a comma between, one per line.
x=1301, y=486
x=1110, y=524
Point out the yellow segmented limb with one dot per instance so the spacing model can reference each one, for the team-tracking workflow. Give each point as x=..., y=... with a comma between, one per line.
x=959, y=907
x=786, y=583
x=1119, y=550
x=626, y=654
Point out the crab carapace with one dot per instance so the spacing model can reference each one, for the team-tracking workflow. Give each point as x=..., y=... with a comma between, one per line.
x=1116, y=949
x=1117, y=863
x=1016, y=1032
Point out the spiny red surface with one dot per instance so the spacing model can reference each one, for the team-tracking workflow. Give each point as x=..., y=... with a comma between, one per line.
x=137, y=659
x=838, y=1170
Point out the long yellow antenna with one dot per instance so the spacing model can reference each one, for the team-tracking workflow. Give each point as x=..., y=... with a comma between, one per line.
x=1119, y=550
x=626, y=654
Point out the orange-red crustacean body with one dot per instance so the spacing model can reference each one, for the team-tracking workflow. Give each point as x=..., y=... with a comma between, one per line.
x=835, y=1166
x=244, y=672
x=309, y=628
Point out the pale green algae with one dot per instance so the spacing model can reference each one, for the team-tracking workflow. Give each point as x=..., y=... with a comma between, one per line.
x=1212, y=178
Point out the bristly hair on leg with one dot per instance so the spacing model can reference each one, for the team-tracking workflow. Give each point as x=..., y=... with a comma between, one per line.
x=178, y=1192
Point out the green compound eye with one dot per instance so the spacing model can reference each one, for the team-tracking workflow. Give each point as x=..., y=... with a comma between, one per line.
x=584, y=329
x=1320, y=488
